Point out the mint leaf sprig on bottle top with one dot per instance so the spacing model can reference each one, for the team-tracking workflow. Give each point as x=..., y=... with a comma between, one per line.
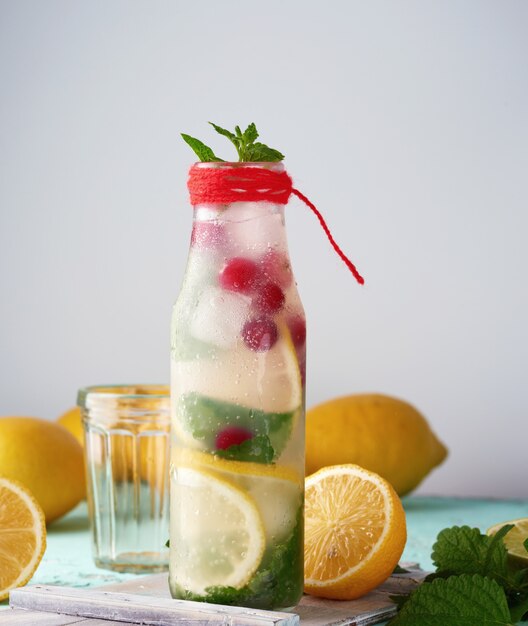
x=267, y=183
x=249, y=150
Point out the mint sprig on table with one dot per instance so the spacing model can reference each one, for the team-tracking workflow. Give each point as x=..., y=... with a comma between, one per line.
x=474, y=584
x=249, y=150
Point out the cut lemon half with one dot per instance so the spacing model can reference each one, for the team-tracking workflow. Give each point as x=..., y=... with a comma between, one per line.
x=515, y=540
x=217, y=531
x=22, y=535
x=355, y=532
x=276, y=490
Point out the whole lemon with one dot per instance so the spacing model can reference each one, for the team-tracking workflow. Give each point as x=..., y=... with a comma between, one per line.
x=380, y=433
x=152, y=450
x=45, y=458
x=72, y=421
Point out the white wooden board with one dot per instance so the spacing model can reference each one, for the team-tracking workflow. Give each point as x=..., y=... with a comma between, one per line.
x=146, y=600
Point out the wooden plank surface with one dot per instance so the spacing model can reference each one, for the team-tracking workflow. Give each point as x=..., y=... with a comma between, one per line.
x=22, y=617
x=147, y=600
x=373, y=608
x=141, y=609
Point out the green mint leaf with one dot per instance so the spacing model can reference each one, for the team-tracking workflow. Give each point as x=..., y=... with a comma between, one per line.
x=430, y=577
x=518, y=581
x=236, y=141
x=464, y=550
x=224, y=132
x=203, y=152
x=277, y=581
x=260, y=152
x=244, y=142
x=167, y=543
x=456, y=601
x=525, y=544
x=258, y=449
x=519, y=609
x=250, y=134
x=400, y=599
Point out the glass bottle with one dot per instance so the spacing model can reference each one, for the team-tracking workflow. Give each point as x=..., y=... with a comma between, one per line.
x=238, y=358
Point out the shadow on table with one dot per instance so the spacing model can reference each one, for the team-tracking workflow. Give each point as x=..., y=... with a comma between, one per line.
x=69, y=524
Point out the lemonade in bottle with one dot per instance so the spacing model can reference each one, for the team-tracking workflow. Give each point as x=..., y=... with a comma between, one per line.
x=238, y=359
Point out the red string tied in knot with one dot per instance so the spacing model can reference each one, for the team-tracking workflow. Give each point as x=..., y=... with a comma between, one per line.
x=224, y=183
x=233, y=183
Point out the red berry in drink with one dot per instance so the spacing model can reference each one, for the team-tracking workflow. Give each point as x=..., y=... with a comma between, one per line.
x=270, y=298
x=276, y=267
x=239, y=274
x=297, y=326
x=231, y=436
x=260, y=334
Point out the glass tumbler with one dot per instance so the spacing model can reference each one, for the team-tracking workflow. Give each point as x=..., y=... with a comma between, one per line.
x=127, y=439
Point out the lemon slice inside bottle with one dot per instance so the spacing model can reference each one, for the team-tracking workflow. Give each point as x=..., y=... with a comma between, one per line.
x=259, y=391
x=217, y=529
x=267, y=381
x=276, y=490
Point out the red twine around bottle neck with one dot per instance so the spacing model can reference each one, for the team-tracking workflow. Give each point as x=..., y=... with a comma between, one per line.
x=223, y=185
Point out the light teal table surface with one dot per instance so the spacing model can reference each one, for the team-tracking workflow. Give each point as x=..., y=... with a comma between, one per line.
x=68, y=560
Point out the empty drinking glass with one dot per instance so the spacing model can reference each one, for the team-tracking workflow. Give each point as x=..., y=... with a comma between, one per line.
x=127, y=437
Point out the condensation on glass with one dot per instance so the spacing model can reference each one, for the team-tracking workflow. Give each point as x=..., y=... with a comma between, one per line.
x=238, y=359
x=127, y=437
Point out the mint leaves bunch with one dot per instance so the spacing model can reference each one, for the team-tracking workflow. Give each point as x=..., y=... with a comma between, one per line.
x=246, y=145
x=474, y=584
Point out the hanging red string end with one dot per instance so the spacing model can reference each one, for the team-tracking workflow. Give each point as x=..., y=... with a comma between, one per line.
x=228, y=182
x=338, y=250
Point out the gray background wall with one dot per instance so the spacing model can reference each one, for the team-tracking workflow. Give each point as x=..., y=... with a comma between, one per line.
x=406, y=122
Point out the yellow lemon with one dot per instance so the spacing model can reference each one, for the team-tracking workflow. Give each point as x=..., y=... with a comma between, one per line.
x=46, y=459
x=72, y=421
x=22, y=535
x=138, y=452
x=380, y=433
x=219, y=530
x=355, y=532
x=515, y=540
x=275, y=489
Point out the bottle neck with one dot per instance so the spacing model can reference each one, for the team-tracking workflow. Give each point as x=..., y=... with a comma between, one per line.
x=240, y=228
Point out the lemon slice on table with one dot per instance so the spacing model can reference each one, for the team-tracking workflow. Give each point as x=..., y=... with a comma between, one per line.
x=276, y=490
x=219, y=538
x=22, y=535
x=515, y=540
x=355, y=532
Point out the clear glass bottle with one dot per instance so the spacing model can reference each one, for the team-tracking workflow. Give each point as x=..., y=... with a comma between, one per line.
x=238, y=355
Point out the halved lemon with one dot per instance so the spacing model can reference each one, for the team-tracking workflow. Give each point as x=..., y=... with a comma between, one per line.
x=217, y=530
x=275, y=489
x=22, y=535
x=355, y=532
x=515, y=540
